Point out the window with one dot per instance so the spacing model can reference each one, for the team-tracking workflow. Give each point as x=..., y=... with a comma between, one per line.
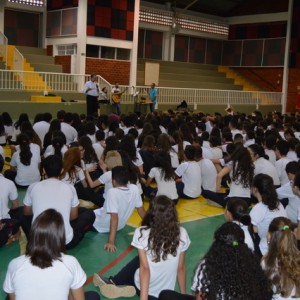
x=66, y=49
x=107, y=52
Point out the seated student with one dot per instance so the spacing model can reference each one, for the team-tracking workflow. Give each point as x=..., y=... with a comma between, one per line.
x=282, y=149
x=45, y=271
x=229, y=270
x=54, y=193
x=156, y=267
x=267, y=208
x=119, y=204
x=9, y=225
x=190, y=185
x=25, y=163
x=282, y=261
x=237, y=212
x=285, y=192
x=164, y=176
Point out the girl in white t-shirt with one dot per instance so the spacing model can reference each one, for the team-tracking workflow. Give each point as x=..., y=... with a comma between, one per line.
x=45, y=271
x=282, y=261
x=157, y=267
x=164, y=176
x=230, y=270
x=237, y=212
x=267, y=208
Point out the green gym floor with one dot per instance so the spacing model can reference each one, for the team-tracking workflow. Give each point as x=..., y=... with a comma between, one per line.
x=199, y=219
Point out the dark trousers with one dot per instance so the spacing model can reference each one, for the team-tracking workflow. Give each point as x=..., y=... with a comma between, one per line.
x=89, y=194
x=118, y=108
x=180, y=187
x=126, y=276
x=220, y=198
x=91, y=105
x=172, y=295
x=11, y=227
x=82, y=224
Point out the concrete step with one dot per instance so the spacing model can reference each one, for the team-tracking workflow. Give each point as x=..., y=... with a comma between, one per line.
x=32, y=50
x=39, y=59
x=47, y=68
x=197, y=85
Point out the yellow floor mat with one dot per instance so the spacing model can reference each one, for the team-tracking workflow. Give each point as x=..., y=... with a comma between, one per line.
x=188, y=210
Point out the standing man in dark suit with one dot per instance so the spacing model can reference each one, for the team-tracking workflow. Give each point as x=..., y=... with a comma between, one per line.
x=91, y=89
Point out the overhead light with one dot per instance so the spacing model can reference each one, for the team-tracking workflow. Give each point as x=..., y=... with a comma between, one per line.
x=29, y=2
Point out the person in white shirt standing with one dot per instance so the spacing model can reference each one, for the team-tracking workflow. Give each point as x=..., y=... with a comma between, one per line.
x=91, y=89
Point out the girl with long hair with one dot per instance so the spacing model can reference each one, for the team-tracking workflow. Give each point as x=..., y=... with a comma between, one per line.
x=25, y=164
x=2, y=132
x=237, y=212
x=161, y=245
x=57, y=148
x=45, y=271
x=267, y=208
x=261, y=163
x=282, y=261
x=54, y=126
x=164, y=144
x=164, y=176
x=230, y=270
x=179, y=145
x=23, y=117
x=147, y=152
x=127, y=144
x=240, y=169
x=8, y=125
x=73, y=174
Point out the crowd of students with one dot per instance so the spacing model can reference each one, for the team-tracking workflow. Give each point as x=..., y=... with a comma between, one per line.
x=235, y=161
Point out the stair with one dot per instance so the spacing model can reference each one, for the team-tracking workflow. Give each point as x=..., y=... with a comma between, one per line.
x=246, y=84
x=189, y=75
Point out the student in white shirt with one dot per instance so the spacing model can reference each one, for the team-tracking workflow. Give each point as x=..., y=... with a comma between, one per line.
x=281, y=263
x=190, y=185
x=285, y=193
x=281, y=150
x=120, y=202
x=237, y=212
x=156, y=268
x=164, y=176
x=267, y=208
x=45, y=271
x=261, y=164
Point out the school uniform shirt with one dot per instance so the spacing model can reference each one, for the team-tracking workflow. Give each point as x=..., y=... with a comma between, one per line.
x=138, y=161
x=216, y=152
x=174, y=159
x=106, y=179
x=119, y=200
x=293, y=206
x=272, y=156
x=248, y=239
x=236, y=188
x=79, y=176
x=292, y=155
x=98, y=149
x=33, y=148
x=27, y=281
x=163, y=274
x=41, y=128
x=208, y=174
x=69, y=131
x=191, y=177
x=263, y=166
x=175, y=147
x=280, y=165
x=206, y=153
x=9, y=130
x=8, y=191
x=56, y=194
x=26, y=175
x=2, y=152
x=50, y=151
x=167, y=188
x=261, y=217
x=249, y=142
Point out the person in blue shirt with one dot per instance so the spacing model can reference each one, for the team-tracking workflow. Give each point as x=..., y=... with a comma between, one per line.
x=153, y=97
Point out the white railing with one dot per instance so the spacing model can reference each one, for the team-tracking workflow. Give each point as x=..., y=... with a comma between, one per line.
x=3, y=47
x=197, y=97
x=60, y=82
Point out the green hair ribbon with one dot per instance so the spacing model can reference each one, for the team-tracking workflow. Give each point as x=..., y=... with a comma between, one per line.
x=235, y=243
x=285, y=227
